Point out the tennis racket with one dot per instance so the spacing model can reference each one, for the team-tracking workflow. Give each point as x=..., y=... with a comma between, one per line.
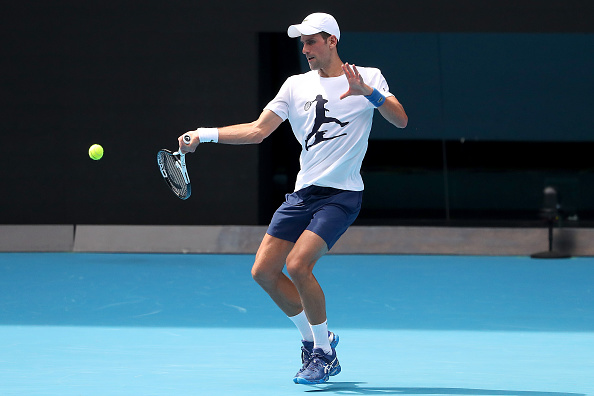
x=174, y=171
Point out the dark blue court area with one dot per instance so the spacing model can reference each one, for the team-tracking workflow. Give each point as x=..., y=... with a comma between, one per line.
x=157, y=324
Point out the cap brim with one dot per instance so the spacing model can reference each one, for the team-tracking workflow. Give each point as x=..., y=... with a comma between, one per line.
x=298, y=30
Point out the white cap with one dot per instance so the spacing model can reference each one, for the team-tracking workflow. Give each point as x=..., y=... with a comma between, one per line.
x=315, y=23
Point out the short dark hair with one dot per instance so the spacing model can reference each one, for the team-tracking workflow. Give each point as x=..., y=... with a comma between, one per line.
x=325, y=35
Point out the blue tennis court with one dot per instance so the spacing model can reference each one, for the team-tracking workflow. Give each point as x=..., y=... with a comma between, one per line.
x=160, y=324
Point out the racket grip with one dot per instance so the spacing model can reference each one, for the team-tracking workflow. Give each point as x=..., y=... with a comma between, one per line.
x=187, y=139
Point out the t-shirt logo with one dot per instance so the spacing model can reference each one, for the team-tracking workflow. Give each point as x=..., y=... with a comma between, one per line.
x=321, y=119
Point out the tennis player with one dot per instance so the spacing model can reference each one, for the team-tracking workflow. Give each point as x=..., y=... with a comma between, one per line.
x=330, y=109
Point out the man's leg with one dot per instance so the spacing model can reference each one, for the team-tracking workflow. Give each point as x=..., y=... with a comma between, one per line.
x=307, y=251
x=300, y=262
x=267, y=271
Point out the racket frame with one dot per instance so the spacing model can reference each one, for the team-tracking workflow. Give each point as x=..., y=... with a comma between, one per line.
x=180, y=163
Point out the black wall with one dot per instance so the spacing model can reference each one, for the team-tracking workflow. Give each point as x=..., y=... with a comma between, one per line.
x=133, y=76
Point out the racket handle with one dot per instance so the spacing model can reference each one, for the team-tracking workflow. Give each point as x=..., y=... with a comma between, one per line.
x=187, y=139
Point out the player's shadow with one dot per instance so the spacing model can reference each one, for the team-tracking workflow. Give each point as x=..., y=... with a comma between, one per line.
x=359, y=388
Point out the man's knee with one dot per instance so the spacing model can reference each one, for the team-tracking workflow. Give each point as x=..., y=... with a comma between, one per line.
x=299, y=268
x=262, y=275
x=270, y=260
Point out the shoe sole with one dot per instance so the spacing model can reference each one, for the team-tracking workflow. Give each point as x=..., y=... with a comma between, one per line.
x=334, y=342
x=303, y=381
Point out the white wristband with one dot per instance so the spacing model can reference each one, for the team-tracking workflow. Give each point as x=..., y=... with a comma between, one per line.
x=208, y=135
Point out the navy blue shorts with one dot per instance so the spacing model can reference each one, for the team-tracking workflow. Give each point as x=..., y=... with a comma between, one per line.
x=327, y=212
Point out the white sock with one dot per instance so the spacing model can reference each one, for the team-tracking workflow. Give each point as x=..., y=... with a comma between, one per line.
x=320, y=335
x=302, y=324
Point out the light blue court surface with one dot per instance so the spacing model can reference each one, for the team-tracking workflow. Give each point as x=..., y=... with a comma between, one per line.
x=150, y=324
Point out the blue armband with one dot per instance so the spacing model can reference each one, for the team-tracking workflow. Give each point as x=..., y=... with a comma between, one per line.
x=376, y=98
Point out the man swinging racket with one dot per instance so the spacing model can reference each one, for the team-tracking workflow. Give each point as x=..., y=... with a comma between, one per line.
x=327, y=198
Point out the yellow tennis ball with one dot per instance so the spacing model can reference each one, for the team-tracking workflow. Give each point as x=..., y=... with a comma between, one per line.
x=96, y=152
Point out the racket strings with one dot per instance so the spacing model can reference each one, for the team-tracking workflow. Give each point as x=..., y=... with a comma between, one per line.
x=174, y=173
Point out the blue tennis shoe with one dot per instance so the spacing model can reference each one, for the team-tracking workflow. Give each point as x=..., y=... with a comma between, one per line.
x=307, y=350
x=321, y=366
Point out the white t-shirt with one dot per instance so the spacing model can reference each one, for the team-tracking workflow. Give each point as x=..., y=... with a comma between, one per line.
x=333, y=133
